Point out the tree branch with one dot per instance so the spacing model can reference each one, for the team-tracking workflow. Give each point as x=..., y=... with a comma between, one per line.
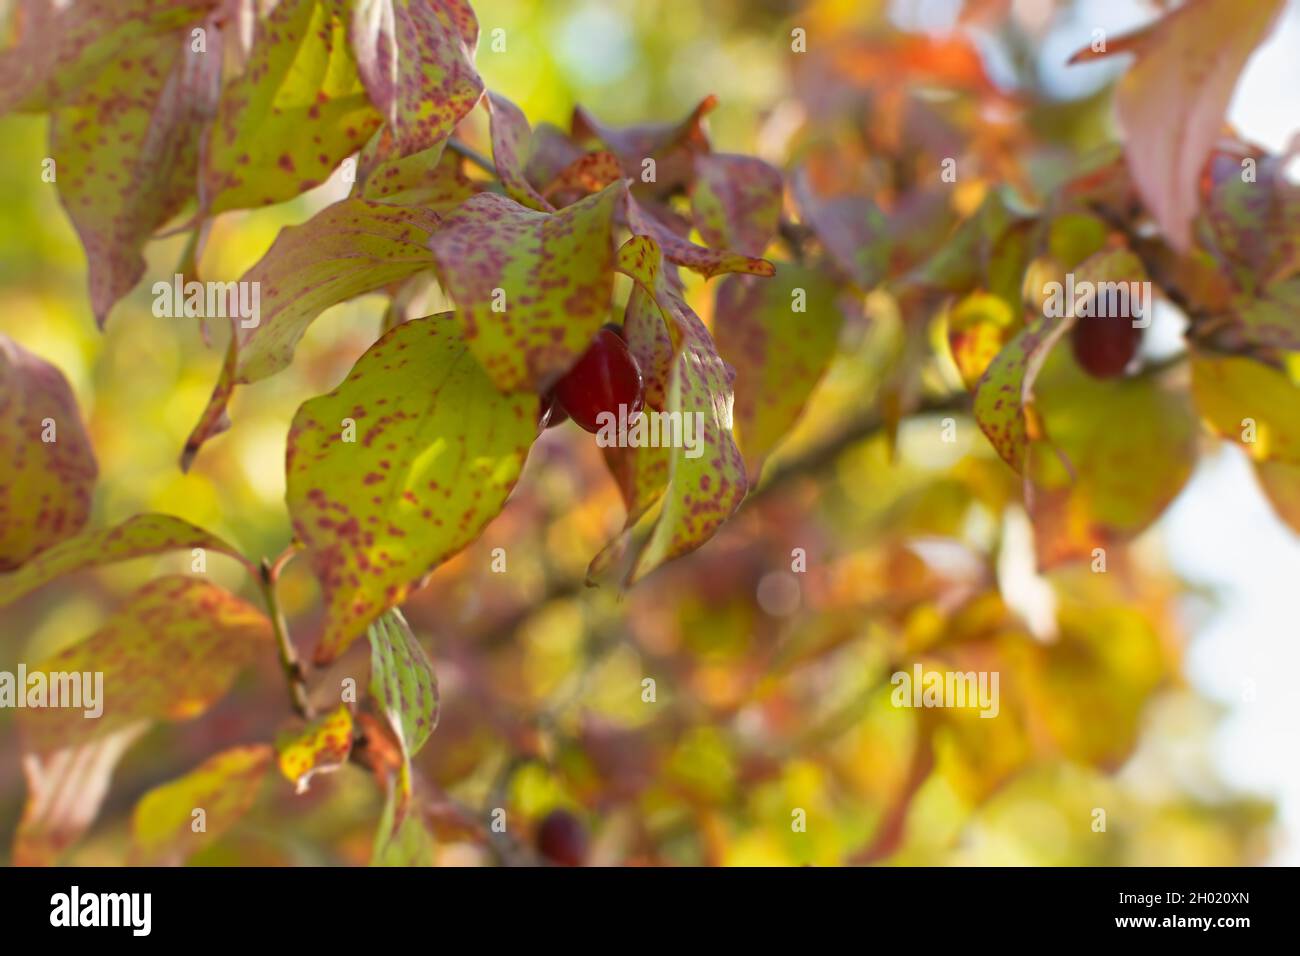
x=293, y=672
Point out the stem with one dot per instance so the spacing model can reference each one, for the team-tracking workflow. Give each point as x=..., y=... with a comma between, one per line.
x=473, y=155
x=293, y=671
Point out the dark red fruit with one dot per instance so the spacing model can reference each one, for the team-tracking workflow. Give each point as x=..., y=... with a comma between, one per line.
x=1104, y=346
x=605, y=377
x=562, y=839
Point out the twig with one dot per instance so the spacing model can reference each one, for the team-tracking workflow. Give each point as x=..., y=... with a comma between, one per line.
x=293, y=671
x=473, y=155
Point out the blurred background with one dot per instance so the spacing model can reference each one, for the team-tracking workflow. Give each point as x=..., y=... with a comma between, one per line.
x=1158, y=692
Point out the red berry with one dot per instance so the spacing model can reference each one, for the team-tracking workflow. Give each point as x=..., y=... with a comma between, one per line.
x=1104, y=346
x=605, y=377
x=562, y=839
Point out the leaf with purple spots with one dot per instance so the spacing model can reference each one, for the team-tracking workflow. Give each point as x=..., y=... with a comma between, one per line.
x=47, y=466
x=137, y=537
x=706, y=475
x=322, y=746
x=403, y=686
x=531, y=288
x=511, y=137
x=437, y=450
x=127, y=154
x=779, y=335
x=169, y=652
x=683, y=252
x=224, y=787
x=672, y=146
x=416, y=59
x=433, y=178
x=348, y=249
x=297, y=110
x=587, y=174
x=736, y=201
x=60, y=49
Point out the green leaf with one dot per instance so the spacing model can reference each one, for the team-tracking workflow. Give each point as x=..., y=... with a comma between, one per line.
x=62, y=49
x=224, y=787
x=416, y=59
x=350, y=248
x=169, y=652
x=437, y=449
x=137, y=537
x=322, y=746
x=292, y=116
x=779, y=354
x=1130, y=446
x=1249, y=403
x=402, y=838
x=127, y=152
x=736, y=202
x=402, y=681
x=531, y=288
x=707, y=483
x=65, y=789
x=45, y=486
x=511, y=137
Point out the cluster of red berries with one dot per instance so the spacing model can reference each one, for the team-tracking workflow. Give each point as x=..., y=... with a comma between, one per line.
x=604, y=377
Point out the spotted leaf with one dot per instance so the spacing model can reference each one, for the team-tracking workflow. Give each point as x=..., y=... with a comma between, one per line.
x=404, y=687
x=296, y=111
x=416, y=59
x=683, y=252
x=47, y=467
x=224, y=787
x=531, y=288
x=736, y=201
x=511, y=137
x=322, y=746
x=435, y=452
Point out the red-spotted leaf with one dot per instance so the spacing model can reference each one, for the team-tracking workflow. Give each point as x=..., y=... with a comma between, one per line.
x=137, y=537
x=589, y=173
x=65, y=789
x=658, y=157
x=433, y=178
x=1172, y=101
x=531, y=288
x=223, y=787
x=683, y=252
x=779, y=335
x=127, y=152
x=736, y=202
x=1273, y=318
x=399, y=468
x=416, y=59
x=511, y=137
x=215, y=419
x=1253, y=222
x=706, y=475
x=63, y=47
x=47, y=467
x=296, y=111
x=322, y=746
x=552, y=150
x=978, y=327
x=169, y=652
x=404, y=687
x=350, y=248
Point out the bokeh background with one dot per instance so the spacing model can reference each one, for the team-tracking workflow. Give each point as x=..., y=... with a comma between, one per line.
x=1168, y=703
